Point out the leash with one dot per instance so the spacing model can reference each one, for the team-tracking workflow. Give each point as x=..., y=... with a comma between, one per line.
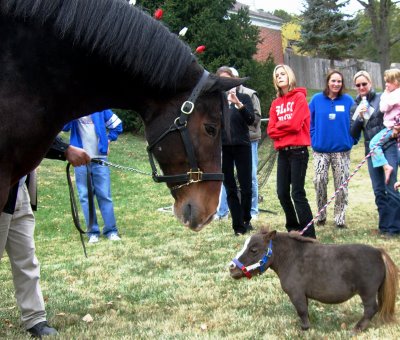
x=74, y=207
x=120, y=167
x=345, y=183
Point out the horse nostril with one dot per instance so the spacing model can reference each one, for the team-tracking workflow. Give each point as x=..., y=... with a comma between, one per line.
x=232, y=266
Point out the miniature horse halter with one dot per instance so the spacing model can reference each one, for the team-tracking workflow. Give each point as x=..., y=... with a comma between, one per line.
x=260, y=264
x=194, y=174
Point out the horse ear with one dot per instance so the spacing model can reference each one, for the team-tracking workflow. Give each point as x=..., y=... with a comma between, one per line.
x=215, y=83
x=270, y=235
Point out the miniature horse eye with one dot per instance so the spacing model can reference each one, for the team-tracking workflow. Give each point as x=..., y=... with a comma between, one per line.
x=253, y=250
x=211, y=129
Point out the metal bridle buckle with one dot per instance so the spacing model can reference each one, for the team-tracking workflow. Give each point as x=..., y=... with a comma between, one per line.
x=187, y=107
x=192, y=176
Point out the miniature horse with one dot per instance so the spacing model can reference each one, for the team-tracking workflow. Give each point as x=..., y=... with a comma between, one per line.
x=63, y=59
x=324, y=272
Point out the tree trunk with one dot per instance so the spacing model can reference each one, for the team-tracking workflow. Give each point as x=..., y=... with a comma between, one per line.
x=378, y=13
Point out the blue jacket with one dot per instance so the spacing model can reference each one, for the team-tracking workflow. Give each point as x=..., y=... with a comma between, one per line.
x=103, y=121
x=330, y=123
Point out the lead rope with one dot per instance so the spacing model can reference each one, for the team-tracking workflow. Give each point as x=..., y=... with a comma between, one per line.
x=345, y=183
x=74, y=207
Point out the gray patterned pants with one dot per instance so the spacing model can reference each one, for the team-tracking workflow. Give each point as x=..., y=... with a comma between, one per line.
x=340, y=162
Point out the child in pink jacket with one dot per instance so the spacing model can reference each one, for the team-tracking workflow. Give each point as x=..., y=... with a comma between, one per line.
x=390, y=106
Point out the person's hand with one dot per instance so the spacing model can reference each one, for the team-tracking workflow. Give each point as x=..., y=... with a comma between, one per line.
x=77, y=156
x=234, y=99
x=397, y=186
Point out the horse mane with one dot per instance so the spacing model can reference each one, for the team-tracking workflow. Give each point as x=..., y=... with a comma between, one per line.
x=114, y=29
x=297, y=236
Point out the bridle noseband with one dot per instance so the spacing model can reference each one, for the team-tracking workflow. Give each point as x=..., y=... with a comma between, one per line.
x=260, y=264
x=194, y=174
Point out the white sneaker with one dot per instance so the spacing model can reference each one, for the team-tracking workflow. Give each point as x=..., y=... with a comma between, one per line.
x=114, y=237
x=93, y=239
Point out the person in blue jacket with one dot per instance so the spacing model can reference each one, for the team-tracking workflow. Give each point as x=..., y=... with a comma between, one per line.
x=331, y=142
x=94, y=133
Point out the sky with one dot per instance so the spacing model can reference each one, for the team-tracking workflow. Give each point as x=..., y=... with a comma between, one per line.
x=294, y=6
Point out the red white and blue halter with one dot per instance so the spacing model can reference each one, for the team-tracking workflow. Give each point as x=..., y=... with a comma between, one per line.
x=260, y=264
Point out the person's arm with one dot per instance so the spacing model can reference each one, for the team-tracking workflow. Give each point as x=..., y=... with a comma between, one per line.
x=63, y=151
x=247, y=110
x=113, y=125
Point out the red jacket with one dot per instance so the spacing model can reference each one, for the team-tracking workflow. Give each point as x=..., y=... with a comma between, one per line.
x=289, y=120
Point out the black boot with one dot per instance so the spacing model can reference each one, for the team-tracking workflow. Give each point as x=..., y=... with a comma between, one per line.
x=42, y=329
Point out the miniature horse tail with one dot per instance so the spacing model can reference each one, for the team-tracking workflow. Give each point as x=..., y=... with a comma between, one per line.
x=388, y=290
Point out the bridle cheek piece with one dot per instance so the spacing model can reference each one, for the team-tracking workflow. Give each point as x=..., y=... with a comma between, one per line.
x=194, y=175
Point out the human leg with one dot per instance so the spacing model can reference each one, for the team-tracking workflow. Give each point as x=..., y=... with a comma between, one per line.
x=102, y=190
x=81, y=185
x=228, y=160
x=25, y=267
x=254, y=180
x=243, y=167
x=283, y=182
x=321, y=163
x=378, y=156
x=341, y=172
x=298, y=164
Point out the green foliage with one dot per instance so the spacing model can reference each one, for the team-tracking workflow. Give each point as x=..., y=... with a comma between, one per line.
x=260, y=74
x=285, y=16
x=367, y=48
x=325, y=31
x=131, y=121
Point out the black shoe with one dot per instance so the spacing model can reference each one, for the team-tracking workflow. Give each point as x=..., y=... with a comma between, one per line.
x=248, y=226
x=321, y=223
x=341, y=226
x=42, y=329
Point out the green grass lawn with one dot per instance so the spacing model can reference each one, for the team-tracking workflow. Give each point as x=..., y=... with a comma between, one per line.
x=163, y=281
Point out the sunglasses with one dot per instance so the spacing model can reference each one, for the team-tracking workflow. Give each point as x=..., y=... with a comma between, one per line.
x=361, y=84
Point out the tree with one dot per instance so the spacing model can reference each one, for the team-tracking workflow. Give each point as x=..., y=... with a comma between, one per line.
x=230, y=39
x=285, y=16
x=326, y=32
x=385, y=21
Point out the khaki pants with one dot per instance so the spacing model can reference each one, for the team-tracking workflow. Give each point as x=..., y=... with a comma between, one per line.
x=16, y=237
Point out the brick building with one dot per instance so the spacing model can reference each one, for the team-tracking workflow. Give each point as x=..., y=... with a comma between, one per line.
x=270, y=28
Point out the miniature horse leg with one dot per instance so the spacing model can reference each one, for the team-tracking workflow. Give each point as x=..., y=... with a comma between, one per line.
x=370, y=309
x=300, y=302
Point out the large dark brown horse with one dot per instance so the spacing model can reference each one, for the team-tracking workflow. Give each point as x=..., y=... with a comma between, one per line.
x=325, y=272
x=62, y=59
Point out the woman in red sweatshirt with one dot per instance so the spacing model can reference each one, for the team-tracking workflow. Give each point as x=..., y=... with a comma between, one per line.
x=289, y=128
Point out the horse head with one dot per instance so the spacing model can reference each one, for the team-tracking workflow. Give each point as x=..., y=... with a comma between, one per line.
x=189, y=152
x=255, y=257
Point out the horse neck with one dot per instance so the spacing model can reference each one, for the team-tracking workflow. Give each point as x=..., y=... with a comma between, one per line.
x=285, y=251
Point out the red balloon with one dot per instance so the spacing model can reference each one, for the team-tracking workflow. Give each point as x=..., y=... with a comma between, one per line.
x=158, y=13
x=200, y=49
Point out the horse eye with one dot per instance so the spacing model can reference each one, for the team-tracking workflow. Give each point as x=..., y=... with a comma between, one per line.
x=211, y=130
x=253, y=250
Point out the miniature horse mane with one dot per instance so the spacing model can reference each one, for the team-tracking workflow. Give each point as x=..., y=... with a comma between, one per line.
x=115, y=29
x=293, y=235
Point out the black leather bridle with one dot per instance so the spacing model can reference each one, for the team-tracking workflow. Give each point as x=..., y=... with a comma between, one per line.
x=194, y=174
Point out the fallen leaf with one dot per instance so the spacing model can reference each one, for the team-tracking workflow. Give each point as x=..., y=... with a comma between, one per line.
x=87, y=318
x=60, y=314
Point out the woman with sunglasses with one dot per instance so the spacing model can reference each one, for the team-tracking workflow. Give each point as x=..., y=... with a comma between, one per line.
x=386, y=197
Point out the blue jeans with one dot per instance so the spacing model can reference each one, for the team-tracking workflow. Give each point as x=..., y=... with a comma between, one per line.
x=378, y=156
x=102, y=190
x=254, y=181
x=223, y=208
x=388, y=204
x=291, y=174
